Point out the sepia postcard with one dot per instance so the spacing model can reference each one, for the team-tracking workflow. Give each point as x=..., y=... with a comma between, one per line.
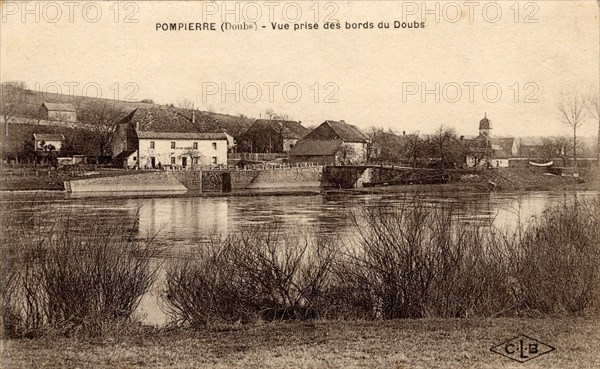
x=300, y=184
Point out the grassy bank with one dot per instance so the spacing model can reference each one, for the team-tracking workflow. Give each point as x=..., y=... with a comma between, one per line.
x=507, y=179
x=408, y=343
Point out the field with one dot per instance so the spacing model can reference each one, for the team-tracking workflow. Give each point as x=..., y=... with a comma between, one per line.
x=424, y=343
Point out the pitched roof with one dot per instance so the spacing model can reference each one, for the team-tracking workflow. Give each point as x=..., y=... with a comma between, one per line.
x=58, y=106
x=183, y=135
x=506, y=143
x=125, y=154
x=49, y=136
x=168, y=119
x=531, y=141
x=287, y=128
x=316, y=147
x=500, y=154
x=347, y=132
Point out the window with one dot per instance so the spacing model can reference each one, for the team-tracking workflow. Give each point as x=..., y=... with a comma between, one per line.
x=214, y=160
x=134, y=158
x=214, y=145
x=151, y=144
x=173, y=160
x=195, y=146
x=172, y=144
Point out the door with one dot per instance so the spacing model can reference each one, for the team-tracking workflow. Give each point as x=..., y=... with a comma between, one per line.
x=152, y=162
x=184, y=161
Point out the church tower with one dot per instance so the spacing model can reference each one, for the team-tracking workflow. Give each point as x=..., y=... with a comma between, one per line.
x=485, y=127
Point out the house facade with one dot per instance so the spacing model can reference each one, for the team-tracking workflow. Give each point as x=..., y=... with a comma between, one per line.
x=58, y=111
x=48, y=141
x=333, y=143
x=166, y=137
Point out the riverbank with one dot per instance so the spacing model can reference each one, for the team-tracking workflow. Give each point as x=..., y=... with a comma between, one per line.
x=408, y=343
x=509, y=179
x=500, y=180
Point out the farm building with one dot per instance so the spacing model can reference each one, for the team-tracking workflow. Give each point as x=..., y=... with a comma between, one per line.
x=58, y=111
x=167, y=137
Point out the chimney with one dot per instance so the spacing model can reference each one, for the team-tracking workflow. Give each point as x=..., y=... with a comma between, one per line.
x=299, y=122
x=403, y=133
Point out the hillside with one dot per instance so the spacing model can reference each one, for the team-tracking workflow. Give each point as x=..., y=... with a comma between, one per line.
x=29, y=108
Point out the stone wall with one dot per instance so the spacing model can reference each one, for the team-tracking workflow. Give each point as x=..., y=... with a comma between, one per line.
x=288, y=178
x=191, y=179
x=145, y=182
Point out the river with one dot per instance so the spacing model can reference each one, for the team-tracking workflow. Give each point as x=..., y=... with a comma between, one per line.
x=184, y=223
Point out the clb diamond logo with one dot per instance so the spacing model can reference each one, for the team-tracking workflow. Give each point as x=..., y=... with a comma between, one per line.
x=522, y=348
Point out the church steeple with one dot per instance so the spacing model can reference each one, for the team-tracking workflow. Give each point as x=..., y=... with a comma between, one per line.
x=485, y=126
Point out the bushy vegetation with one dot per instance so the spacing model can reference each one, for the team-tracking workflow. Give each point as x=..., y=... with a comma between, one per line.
x=415, y=260
x=256, y=274
x=412, y=261
x=67, y=278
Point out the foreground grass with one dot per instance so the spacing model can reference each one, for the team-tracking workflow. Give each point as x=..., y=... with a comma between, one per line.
x=423, y=343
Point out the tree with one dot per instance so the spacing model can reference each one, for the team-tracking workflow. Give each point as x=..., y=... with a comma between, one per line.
x=185, y=104
x=572, y=107
x=13, y=97
x=346, y=154
x=557, y=147
x=593, y=108
x=442, y=145
x=195, y=156
x=100, y=117
x=413, y=148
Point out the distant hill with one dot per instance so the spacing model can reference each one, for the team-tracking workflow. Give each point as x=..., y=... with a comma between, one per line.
x=234, y=125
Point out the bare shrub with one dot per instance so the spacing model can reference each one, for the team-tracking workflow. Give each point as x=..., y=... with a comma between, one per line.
x=559, y=260
x=257, y=273
x=416, y=260
x=68, y=279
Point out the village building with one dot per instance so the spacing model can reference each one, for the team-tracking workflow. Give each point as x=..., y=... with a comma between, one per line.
x=48, y=142
x=333, y=143
x=160, y=137
x=531, y=147
x=58, y=111
x=488, y=151
x=272, y=136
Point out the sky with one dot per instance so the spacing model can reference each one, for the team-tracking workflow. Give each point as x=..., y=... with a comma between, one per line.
x=511, y=60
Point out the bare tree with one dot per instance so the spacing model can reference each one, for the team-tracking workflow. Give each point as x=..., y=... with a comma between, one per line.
x=572, y=111
x=185, y=104
x=593, y=108
x=441, y=144
x=13, y=97
x=100, y=117
x=346, y=154
x=413, y=148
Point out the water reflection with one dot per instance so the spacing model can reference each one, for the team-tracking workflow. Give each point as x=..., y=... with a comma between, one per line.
x=182, y=224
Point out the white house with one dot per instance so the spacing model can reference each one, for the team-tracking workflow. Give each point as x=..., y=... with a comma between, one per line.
x=167, y=137
x=48, y=141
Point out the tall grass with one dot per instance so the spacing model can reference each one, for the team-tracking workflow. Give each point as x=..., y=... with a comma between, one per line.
x=66, y=276
x=409, y=261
